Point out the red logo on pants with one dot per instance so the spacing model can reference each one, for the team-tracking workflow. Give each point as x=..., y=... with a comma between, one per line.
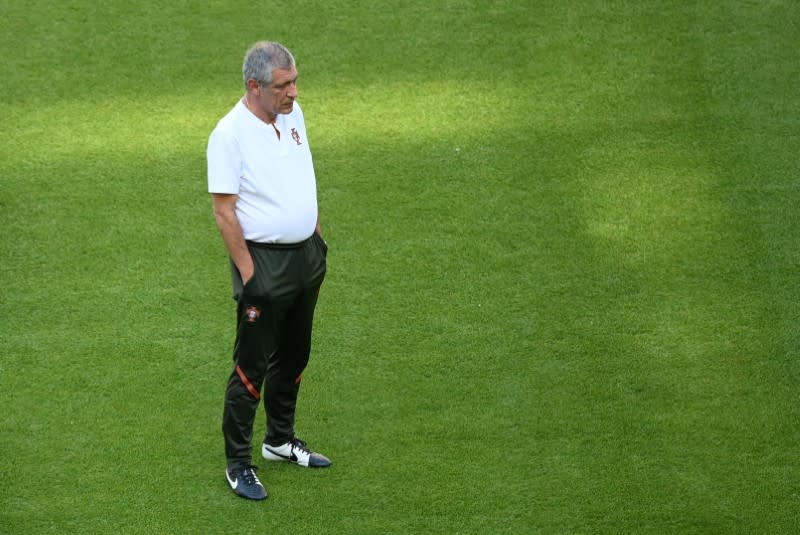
x=252, y=314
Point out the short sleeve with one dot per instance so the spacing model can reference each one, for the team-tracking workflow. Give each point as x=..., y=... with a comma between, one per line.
x=224, y=162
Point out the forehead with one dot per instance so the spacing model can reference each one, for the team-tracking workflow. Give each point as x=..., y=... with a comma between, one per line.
x=281, y=76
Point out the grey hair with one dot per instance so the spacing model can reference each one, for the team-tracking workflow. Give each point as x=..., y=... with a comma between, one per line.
x=264, y=57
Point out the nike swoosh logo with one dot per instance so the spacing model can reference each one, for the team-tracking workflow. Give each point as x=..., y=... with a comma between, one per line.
x=233, y=483
x=292, y=457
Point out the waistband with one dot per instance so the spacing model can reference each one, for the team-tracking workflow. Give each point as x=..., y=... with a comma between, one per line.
x=262, y=245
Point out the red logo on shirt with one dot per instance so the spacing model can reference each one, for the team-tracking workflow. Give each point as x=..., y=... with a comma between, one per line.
x=296, y=136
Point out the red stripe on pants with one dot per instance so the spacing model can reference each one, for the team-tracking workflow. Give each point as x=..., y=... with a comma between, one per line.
x=247, y=383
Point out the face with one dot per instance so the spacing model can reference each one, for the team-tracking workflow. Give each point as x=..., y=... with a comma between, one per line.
x=278, y=96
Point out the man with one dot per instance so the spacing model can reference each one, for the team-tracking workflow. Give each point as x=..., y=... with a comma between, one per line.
x=261, y=179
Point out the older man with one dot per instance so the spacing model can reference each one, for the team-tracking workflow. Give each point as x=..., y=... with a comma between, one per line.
x=261, y=179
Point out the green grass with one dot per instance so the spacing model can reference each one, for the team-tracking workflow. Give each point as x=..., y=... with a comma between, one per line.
x=563, y=281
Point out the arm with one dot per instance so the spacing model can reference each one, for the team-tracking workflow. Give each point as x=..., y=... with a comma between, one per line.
x=232, y=235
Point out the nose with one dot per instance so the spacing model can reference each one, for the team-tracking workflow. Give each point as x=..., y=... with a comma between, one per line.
x=292, y=90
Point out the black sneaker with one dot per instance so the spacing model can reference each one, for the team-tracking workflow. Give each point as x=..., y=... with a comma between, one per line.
x=295, y=451
x=245, y=483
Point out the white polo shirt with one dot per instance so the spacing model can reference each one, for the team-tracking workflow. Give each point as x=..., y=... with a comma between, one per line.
x=274, y=179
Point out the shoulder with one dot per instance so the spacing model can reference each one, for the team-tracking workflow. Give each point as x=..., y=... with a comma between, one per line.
x=230, y=123
x=224, y=138
x=297, y=111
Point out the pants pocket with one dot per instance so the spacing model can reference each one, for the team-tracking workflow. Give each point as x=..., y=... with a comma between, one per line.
x=322, y=244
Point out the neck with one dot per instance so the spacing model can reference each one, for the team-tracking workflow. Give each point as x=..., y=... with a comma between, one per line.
x=268, y=118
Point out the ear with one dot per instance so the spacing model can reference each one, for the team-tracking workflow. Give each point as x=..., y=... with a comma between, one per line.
x=253, y=85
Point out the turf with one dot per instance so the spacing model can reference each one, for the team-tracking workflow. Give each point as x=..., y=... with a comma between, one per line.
x=563, y=278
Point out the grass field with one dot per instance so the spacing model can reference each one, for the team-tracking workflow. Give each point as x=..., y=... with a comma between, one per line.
x=563, y=291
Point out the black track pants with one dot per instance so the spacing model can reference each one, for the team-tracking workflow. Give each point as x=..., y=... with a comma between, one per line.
x=275, y=312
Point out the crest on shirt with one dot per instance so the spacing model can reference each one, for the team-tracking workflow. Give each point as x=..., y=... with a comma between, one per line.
x=296, y=136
